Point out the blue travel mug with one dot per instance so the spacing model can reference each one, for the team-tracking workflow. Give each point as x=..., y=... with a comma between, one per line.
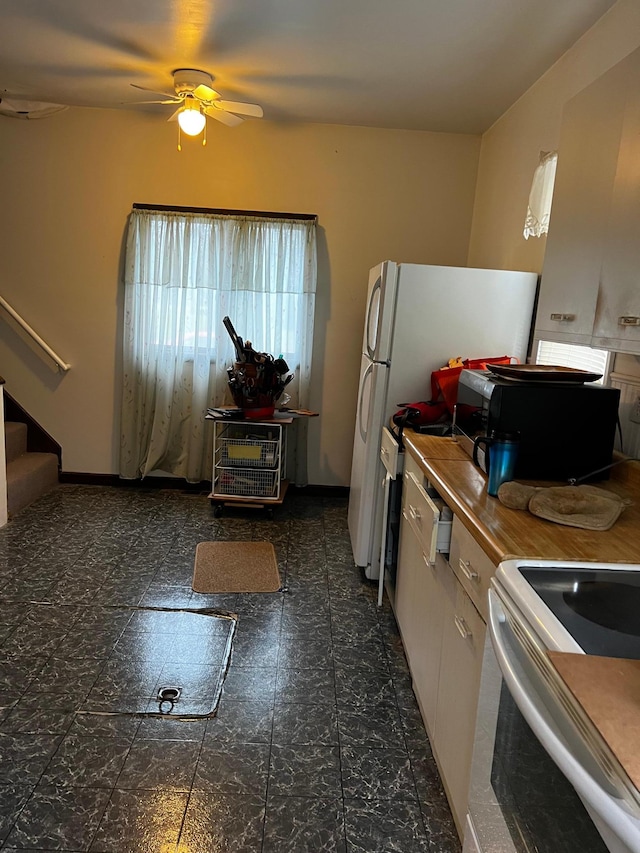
x=501, y=453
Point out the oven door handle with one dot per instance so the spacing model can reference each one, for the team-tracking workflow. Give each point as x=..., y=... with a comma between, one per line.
x=604, y=809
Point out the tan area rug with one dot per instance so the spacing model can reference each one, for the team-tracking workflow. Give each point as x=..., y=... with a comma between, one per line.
x=235, y=567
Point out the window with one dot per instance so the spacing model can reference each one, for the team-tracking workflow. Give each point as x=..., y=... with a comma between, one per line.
x=536, y=222
x=185, y=271
x=575, y=355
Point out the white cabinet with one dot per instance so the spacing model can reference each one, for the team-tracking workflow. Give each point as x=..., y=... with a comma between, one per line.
x=442, y=631
x=422, y=572
x=460, y=667
x=432, y=591
x=618, y=314
x=409, y=552
x=420, y=590
x=590, y=279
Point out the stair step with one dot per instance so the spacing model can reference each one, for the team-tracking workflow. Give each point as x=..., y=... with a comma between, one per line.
x=15, y=440
x=28, y=477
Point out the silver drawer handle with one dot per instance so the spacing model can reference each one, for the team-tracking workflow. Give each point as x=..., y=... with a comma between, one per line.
x=564, y=318
x=629, y=321
x=461, y=625
x=414, y=512
x=467, y=571
x=384, y=451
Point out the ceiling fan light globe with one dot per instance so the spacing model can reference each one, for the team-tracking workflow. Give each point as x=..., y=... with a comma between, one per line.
x=191, y=121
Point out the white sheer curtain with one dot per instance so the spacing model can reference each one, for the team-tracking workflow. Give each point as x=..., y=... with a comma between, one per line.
x=536, y=222
x=183, y=273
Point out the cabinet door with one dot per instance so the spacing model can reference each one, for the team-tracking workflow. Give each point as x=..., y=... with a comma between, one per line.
x=421, y=585
x=619, y=302
x=461, y=662
x=587, y=160
x=408, y=557
x=433, y=583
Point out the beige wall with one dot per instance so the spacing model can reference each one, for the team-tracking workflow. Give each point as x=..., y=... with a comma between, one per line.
x=68, y=183
x=510, y=149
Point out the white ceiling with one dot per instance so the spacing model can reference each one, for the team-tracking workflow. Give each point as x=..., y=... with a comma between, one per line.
x=443, y=65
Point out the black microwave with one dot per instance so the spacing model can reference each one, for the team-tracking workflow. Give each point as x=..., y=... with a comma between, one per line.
x=567, y=429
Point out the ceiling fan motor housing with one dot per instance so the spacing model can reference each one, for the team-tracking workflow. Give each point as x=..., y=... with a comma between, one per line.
x=187, y=80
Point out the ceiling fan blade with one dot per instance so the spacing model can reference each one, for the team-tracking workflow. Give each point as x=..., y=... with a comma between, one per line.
x=220, y=115
x=243, y=109
x=174, y=116
x=153, y=91
x=172, y=101
x=205, y=93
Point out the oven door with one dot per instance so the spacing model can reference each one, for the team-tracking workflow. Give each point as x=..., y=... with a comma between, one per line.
x=520, y=801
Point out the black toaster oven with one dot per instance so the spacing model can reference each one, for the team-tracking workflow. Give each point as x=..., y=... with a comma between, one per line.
x=567, y=429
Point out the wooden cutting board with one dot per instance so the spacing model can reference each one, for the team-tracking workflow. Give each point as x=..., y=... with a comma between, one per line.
x=608, y=689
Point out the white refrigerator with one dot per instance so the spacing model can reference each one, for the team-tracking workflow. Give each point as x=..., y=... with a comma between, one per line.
x=417, y=318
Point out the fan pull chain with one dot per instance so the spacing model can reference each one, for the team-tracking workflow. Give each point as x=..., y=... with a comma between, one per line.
x=204, y=137
x=179, y=145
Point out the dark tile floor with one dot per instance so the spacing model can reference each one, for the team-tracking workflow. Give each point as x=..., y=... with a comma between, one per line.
x=318, y=744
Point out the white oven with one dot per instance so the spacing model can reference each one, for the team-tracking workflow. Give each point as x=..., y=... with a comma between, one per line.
x=539, y=784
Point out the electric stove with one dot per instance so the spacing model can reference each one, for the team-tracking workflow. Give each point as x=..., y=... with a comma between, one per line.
x=599, y=607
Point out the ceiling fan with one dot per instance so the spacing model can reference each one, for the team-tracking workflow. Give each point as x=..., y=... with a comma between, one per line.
x=198, y=100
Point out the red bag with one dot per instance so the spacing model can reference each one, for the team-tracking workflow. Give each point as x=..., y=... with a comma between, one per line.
x=420, y=414
x=444, y=385
x=444, y=382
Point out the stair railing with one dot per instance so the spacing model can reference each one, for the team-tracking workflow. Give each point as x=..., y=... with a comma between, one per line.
x=62, y=365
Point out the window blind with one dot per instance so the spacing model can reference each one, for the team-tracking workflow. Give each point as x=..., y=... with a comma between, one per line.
x=575, y=355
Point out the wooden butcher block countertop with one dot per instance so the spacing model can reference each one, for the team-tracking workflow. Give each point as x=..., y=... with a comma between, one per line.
x=505, y=533
x=608, y=690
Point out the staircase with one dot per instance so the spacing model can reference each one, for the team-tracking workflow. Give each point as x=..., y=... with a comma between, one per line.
x=29, y=474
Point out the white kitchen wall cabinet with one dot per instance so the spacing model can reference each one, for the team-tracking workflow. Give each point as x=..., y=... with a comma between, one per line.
x=590, y=287
x=618, y=313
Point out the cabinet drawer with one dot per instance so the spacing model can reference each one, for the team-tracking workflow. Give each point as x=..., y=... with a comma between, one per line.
x=389, y=453
x=471, y=565
x=412, y=467
x=428, y=516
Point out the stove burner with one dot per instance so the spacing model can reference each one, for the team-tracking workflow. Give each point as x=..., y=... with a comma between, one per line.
x=613, y=605
x=597, y=605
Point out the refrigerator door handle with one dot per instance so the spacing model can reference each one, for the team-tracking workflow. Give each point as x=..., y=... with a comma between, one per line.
x=363, y=386
x=374, y=303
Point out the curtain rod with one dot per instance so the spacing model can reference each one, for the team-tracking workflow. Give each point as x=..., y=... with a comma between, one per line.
x=223, y=211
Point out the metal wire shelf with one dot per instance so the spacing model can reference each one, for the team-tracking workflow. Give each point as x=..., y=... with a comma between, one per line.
x=248, y=461
x=250, y=483
x=247, y=453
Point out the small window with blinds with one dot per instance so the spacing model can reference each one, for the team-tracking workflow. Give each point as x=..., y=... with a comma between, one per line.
x=575, y=355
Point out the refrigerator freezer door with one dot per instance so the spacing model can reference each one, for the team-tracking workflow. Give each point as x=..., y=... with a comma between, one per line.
x=381, y=297
x=366, y=468
x=444, y=312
